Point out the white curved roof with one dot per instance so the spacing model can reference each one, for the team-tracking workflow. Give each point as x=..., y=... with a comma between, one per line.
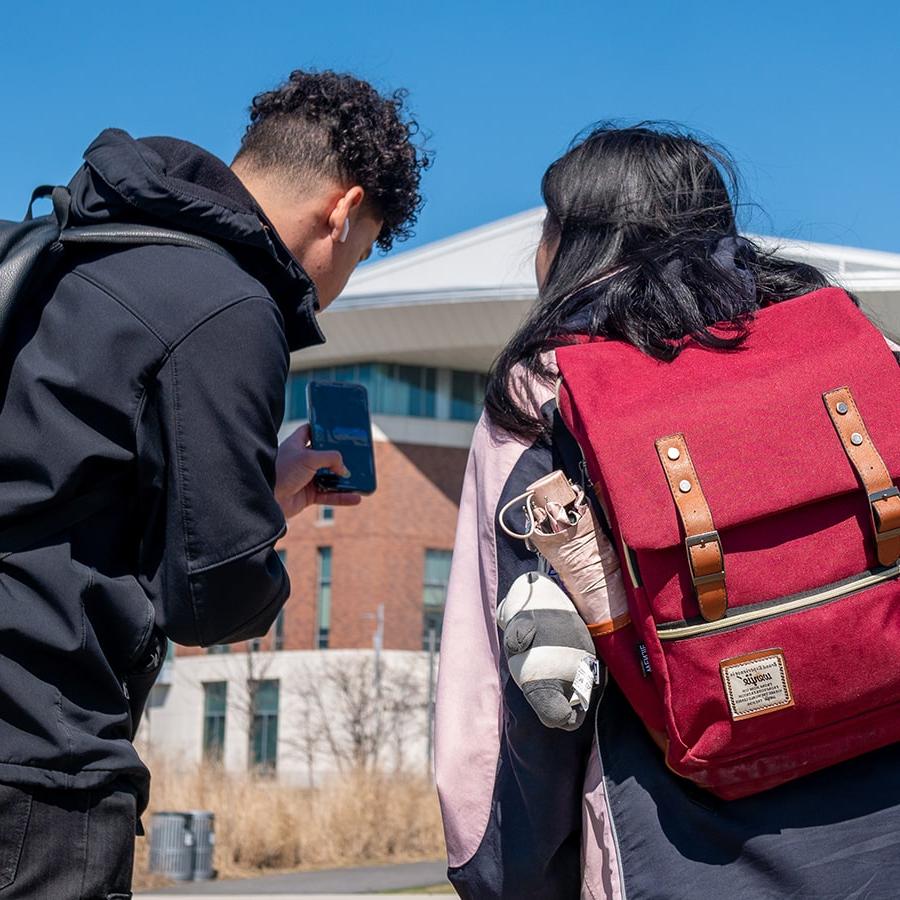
x=454, y=302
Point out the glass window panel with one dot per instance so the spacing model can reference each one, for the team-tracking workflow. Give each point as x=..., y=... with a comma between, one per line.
x=462, y=396
x=215, y=693
x=437, y=574
x=323, y=600
x=297, y=395
x=396, y=391
x=271, y=745
x=214, y=703
x=437, y=566
x=278, y=638
x=365, y=375
x=411, y=378
x=256, y=741
x=264, y=725
x=345, y=373
x=324, y=565
x=325, y=606
x=434, y=595
x=433, y=620
x=430, y=389
x=265, y=697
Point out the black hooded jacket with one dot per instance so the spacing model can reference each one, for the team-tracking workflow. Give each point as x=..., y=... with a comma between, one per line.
x=160, y=368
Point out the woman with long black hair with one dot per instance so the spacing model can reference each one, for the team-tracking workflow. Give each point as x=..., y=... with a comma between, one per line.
x=640, y=244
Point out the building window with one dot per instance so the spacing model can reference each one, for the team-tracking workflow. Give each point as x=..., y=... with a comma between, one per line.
x=466, y=395
x=264, y=725
x=326, y=513
x=214, y=701
x=437, y=574
x=219, y=648
x=278, y=631
x=323, y=603
x=396, y=390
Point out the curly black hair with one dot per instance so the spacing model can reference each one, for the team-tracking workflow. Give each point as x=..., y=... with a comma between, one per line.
x=326, y=123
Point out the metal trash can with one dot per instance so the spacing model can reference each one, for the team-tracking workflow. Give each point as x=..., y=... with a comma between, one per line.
x=172, y=845
x=202, y=827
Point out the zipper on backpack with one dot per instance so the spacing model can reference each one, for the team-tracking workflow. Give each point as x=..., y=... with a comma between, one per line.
x=742, y=616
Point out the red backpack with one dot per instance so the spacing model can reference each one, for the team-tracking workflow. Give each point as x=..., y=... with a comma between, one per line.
x=751, y=494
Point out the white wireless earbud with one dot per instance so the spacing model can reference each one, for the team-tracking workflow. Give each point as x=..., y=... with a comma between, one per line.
x=345, y=231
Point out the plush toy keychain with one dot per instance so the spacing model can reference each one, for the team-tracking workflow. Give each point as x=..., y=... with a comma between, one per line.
x=549, y=650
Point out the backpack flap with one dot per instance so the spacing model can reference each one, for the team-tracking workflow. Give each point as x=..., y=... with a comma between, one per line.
x=759, y=435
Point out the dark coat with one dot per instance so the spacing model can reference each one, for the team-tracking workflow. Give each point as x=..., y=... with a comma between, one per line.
x=163, y=369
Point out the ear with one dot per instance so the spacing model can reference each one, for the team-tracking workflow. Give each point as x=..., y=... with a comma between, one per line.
x=344, y=205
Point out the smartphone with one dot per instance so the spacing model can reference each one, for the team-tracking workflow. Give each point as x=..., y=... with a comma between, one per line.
x=339, y=420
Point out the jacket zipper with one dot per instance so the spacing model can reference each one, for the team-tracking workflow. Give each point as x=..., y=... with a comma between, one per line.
x=744, y=616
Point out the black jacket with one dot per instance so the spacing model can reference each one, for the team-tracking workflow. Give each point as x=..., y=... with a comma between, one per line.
x=161, y=368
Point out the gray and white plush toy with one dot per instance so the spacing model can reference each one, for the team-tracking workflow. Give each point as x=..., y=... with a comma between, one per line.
x=549, y=649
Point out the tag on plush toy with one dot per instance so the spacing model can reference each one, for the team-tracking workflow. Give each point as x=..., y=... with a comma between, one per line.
x=586, y=676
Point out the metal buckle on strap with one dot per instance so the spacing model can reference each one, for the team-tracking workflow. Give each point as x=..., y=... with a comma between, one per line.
x=701, y=540
x=874, y=498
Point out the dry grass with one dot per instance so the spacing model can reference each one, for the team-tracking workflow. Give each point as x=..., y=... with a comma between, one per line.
x=264, y=826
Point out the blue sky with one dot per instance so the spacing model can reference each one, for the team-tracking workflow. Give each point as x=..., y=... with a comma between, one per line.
x=805, y=95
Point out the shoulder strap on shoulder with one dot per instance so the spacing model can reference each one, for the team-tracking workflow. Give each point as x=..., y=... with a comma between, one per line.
x=138, y=234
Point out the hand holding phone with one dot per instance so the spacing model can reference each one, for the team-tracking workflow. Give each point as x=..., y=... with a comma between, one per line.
x=295, y=470
x=339, y=421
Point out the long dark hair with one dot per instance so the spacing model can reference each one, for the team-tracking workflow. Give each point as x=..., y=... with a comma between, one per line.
x=647, y=252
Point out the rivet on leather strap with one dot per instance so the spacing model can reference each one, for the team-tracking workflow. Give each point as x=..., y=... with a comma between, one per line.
x=705, y=555
x=883, y=496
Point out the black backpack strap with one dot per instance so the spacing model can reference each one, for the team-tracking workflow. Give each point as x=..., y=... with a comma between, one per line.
x=113, y=233
x=567, y=456
x=61, y=199
x=138, y=234
x=57, y=519
x=43, y=190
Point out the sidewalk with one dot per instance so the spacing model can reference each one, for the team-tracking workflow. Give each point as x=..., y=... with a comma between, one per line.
x=331, y=883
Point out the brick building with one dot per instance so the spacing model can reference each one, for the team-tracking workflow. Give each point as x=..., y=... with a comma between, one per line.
x=420, y=330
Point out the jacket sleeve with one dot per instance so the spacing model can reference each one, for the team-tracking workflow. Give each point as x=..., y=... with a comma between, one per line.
x=510, y=788
x=207, y=442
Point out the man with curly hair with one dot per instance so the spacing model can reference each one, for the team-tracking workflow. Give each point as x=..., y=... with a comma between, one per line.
x=140, y=420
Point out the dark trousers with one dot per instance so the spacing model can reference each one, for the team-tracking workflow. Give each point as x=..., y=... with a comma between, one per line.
x=66, y=845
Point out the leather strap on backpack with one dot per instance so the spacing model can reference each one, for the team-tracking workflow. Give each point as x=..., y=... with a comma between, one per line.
x=706, y=558
x=883, y=496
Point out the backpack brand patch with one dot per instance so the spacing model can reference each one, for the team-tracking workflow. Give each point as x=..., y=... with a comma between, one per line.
x=756, y=684
x=644, y=658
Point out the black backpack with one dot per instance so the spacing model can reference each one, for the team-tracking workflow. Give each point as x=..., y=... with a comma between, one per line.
x=35, y=247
